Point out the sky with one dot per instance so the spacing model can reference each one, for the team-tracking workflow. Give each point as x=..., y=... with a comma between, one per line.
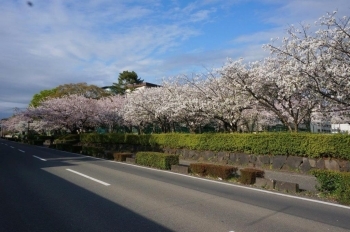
x=47, y=43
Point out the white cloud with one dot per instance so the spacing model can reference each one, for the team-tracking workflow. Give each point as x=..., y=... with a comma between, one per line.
x=58, y=42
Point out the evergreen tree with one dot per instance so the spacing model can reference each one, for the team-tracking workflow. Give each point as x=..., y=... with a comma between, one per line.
x=126, y=79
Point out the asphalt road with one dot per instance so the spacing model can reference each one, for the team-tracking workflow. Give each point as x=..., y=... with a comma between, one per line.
x=49, y=190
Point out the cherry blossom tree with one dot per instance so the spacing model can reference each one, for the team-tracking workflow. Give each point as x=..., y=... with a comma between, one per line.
x=72, y=112
x=220, y=101
x=187, y=105
x=148, y=106
x=321, y=58
x=110, y=111
x=275, y=88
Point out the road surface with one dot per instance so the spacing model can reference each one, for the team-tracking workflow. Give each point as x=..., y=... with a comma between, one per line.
x=48, y=190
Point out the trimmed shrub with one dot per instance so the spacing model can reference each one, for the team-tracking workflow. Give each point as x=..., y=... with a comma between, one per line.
x=64, y=147
x=343, y=192
x=102, y=138
x=290, y=144
x=199, y=169
x=121, y=157
x=36, y=142
x=93, y=151
x=336, y=184
x=157, y=159
x=76, y=149
x=248, y=175
x=222, y=171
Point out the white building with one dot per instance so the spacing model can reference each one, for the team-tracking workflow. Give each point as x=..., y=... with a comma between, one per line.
x=321, y=127
x=143, y=85
x=341, y=128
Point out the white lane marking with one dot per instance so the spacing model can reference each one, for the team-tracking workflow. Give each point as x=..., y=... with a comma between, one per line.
x=21, y=151
x=66, y=158
x=11, y=147
x=39, y=158
x=88, y=177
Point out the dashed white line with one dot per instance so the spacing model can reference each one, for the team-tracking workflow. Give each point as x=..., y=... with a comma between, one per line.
x=67, y=158
x=39, y=158
x=21, y=150
x=11, y=147
x=88, y=177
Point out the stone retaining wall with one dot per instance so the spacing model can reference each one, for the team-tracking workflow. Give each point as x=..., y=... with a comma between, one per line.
x=290, y=163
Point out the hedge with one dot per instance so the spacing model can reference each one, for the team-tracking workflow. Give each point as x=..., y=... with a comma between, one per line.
x=296, y=144
x=121, y=157
x=248, y=175
x=157, y=160
x=93, y=151
x=214, y=170
x=336, y=184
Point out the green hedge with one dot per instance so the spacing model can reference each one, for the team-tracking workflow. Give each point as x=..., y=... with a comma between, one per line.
x=297, y=144
x=68, y=139
x=93, y=151
x=157, y=159
x=64, y=147
x=336, y=184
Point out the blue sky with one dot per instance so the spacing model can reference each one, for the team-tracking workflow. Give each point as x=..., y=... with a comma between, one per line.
x=58, y=42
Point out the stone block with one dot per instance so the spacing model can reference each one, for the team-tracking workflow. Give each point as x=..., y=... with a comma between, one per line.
x=265, y=183
x=292, y=163
x=262, y=161
x=186, y=153
x=222, y=156
x=344, y=166
x=331, y=164
x=179, y=152
x=278, y=161
x=305, y=166
x=242, y=159
x=179, y=169
x=320, y=164
x=208, y=155
x=47, y=143
x=121, y=156
x=287, y=186
x=252, y=159
x=312, y=163
x=130, y=160
x=193, y=154
x=233, y=157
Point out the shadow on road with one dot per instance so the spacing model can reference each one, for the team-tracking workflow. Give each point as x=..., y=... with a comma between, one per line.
x=33, y=199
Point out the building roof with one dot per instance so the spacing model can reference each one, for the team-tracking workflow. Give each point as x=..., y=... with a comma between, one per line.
x=143, y=84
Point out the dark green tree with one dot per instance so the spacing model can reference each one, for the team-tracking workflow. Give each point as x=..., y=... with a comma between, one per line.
x=125, y=81
x=89, y=91
x=42, y=95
